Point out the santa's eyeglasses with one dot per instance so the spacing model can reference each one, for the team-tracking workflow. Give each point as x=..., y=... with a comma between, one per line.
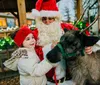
x=48, y=18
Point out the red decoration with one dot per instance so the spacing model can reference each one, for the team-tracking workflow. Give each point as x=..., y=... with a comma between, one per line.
x=68, y=26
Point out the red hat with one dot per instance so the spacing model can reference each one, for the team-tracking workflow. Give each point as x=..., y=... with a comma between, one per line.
x=21, y=35
x=46, y=8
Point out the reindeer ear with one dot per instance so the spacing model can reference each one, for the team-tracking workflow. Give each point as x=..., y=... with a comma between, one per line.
x=86, y=40
x=89, y=40
x=65, y=30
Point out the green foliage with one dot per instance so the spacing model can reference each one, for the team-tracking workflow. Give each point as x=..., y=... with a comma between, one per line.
x=6, y=43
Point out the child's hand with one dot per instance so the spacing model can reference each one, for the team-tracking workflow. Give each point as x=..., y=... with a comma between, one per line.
x=88, y=50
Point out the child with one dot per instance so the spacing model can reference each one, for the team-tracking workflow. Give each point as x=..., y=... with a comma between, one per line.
x=26, y=61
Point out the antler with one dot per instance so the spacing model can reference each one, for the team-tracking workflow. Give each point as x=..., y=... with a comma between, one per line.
x=81, y=16
x=90, y=24
x=88, y=7
x=93, y=4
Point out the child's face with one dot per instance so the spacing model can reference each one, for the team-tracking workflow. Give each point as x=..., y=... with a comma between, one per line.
x=29, y=41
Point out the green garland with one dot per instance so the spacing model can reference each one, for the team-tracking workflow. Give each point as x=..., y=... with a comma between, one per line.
x=6, y=43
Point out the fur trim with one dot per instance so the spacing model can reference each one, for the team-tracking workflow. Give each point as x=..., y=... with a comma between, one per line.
x=45, y=13
x=35, y=12
x=96, y=47
x=49, y=13
x=98, y=43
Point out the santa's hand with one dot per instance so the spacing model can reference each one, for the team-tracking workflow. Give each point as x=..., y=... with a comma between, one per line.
x=88, y=50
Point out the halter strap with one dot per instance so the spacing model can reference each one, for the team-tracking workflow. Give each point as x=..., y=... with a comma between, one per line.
x=68, y=55
x=65, y=54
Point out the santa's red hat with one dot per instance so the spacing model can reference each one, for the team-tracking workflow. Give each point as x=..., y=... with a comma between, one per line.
x=46, y=8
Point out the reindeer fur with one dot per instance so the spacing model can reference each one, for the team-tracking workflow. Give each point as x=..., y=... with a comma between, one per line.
x=86, y=69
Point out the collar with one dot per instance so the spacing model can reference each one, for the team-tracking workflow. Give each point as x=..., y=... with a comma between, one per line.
x=68, y=55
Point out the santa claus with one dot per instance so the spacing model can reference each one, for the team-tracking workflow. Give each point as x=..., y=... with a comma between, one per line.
x=50, y=29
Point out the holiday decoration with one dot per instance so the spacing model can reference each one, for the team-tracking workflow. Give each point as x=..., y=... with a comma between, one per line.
x=8, y=29
x=82, y=25
x=6, y=43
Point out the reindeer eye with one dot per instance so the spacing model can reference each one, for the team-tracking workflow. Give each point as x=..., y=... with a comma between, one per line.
x=75, y=43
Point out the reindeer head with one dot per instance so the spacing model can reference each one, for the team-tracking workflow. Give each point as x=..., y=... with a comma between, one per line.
x=73, y=43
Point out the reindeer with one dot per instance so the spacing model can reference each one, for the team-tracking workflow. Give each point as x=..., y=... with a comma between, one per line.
x=85, y=69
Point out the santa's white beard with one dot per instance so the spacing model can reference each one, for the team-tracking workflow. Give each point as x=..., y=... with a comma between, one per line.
x=48, y=33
